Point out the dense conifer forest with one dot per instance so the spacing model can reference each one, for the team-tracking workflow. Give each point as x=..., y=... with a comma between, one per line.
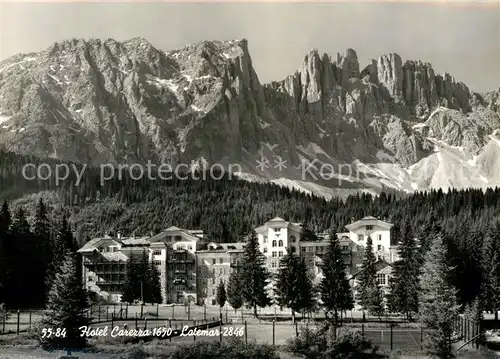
x=228, y=209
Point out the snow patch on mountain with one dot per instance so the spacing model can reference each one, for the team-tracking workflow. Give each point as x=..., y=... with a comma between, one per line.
x=5, y=118
x=18, y=63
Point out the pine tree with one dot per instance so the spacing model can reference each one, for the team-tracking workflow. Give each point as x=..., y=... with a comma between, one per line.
x=334, y=288
x=370, y=294
x=62, y=244
x=41, y=225
x=66, y=309
x=43, y=259
x=221, y=294
x=438, y=304
x=234, y=296
x=129, y=290
x=5, y=221
x=254, y=276
x=491, y=269
x=154, y=285
x=20, y=246
x=65, y=237
x=286, y=282
x=294, y=288
x=143, y=275
x=5, y=218
x=305, y=301
x=404, y=282
x=20, y=226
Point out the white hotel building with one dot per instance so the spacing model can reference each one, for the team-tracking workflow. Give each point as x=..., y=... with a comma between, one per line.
x=278, y=237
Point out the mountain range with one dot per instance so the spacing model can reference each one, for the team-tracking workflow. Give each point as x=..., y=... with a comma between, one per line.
x=331, y=128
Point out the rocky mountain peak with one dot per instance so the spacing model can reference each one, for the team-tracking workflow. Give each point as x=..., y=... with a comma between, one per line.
x=390, y=75
x=98, y=101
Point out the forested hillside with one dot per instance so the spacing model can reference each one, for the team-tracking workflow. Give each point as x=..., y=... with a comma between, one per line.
x=227, y=209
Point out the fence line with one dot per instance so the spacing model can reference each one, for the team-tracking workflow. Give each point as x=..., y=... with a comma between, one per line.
x=177, y=316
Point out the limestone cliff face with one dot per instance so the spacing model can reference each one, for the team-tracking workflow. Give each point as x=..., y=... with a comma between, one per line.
x=104, y=101
x=122, y=102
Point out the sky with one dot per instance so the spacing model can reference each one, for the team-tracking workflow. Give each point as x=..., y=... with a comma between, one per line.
x=460, y=38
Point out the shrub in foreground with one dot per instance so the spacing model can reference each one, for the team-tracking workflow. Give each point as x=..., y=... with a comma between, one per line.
x=321, y=344
x=229, y=350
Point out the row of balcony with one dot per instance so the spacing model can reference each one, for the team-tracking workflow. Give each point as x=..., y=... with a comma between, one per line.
x=113, y=282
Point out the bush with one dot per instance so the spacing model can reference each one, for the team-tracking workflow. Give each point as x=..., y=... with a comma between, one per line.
x=321, y=344
x=137, y=353
x=353, y=345
x=229, y=350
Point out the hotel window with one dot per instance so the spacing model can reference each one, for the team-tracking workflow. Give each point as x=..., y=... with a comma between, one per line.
x=177, y=238
x=369, y=227
x=213, y=280
x=221, y=260
x=277, y=229
x=379, y=237
x=157, y=263
x=213, y=291
x=280, y=243
x=214, y=261
x=157, y=253
x=379, y=247
x=273, y=265
x=360, y=237
x=381, y=279
x=280, y=254
x=345, y=248
x=292, y=239
x=274, y=254
x=303, y=249
x=293, y=249
x=274, y=243
x=265, y=249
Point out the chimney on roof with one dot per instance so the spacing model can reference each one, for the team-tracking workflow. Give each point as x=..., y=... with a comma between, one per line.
x=118, y=235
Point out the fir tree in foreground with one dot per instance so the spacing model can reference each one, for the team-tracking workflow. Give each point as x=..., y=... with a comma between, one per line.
x=294, y=288
x=130, y=289
x=491, y=269
x=286, y=283
x=221, y=294
x=306, y=294
x=4, y=258
x=154, y=285
x=142, y=281
x=62, y=243
x=234, y=297
x=370, y=294
x=334, y=288
x=254, y=276
x=438, y=303
x=404, y=282
x=66, y=309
